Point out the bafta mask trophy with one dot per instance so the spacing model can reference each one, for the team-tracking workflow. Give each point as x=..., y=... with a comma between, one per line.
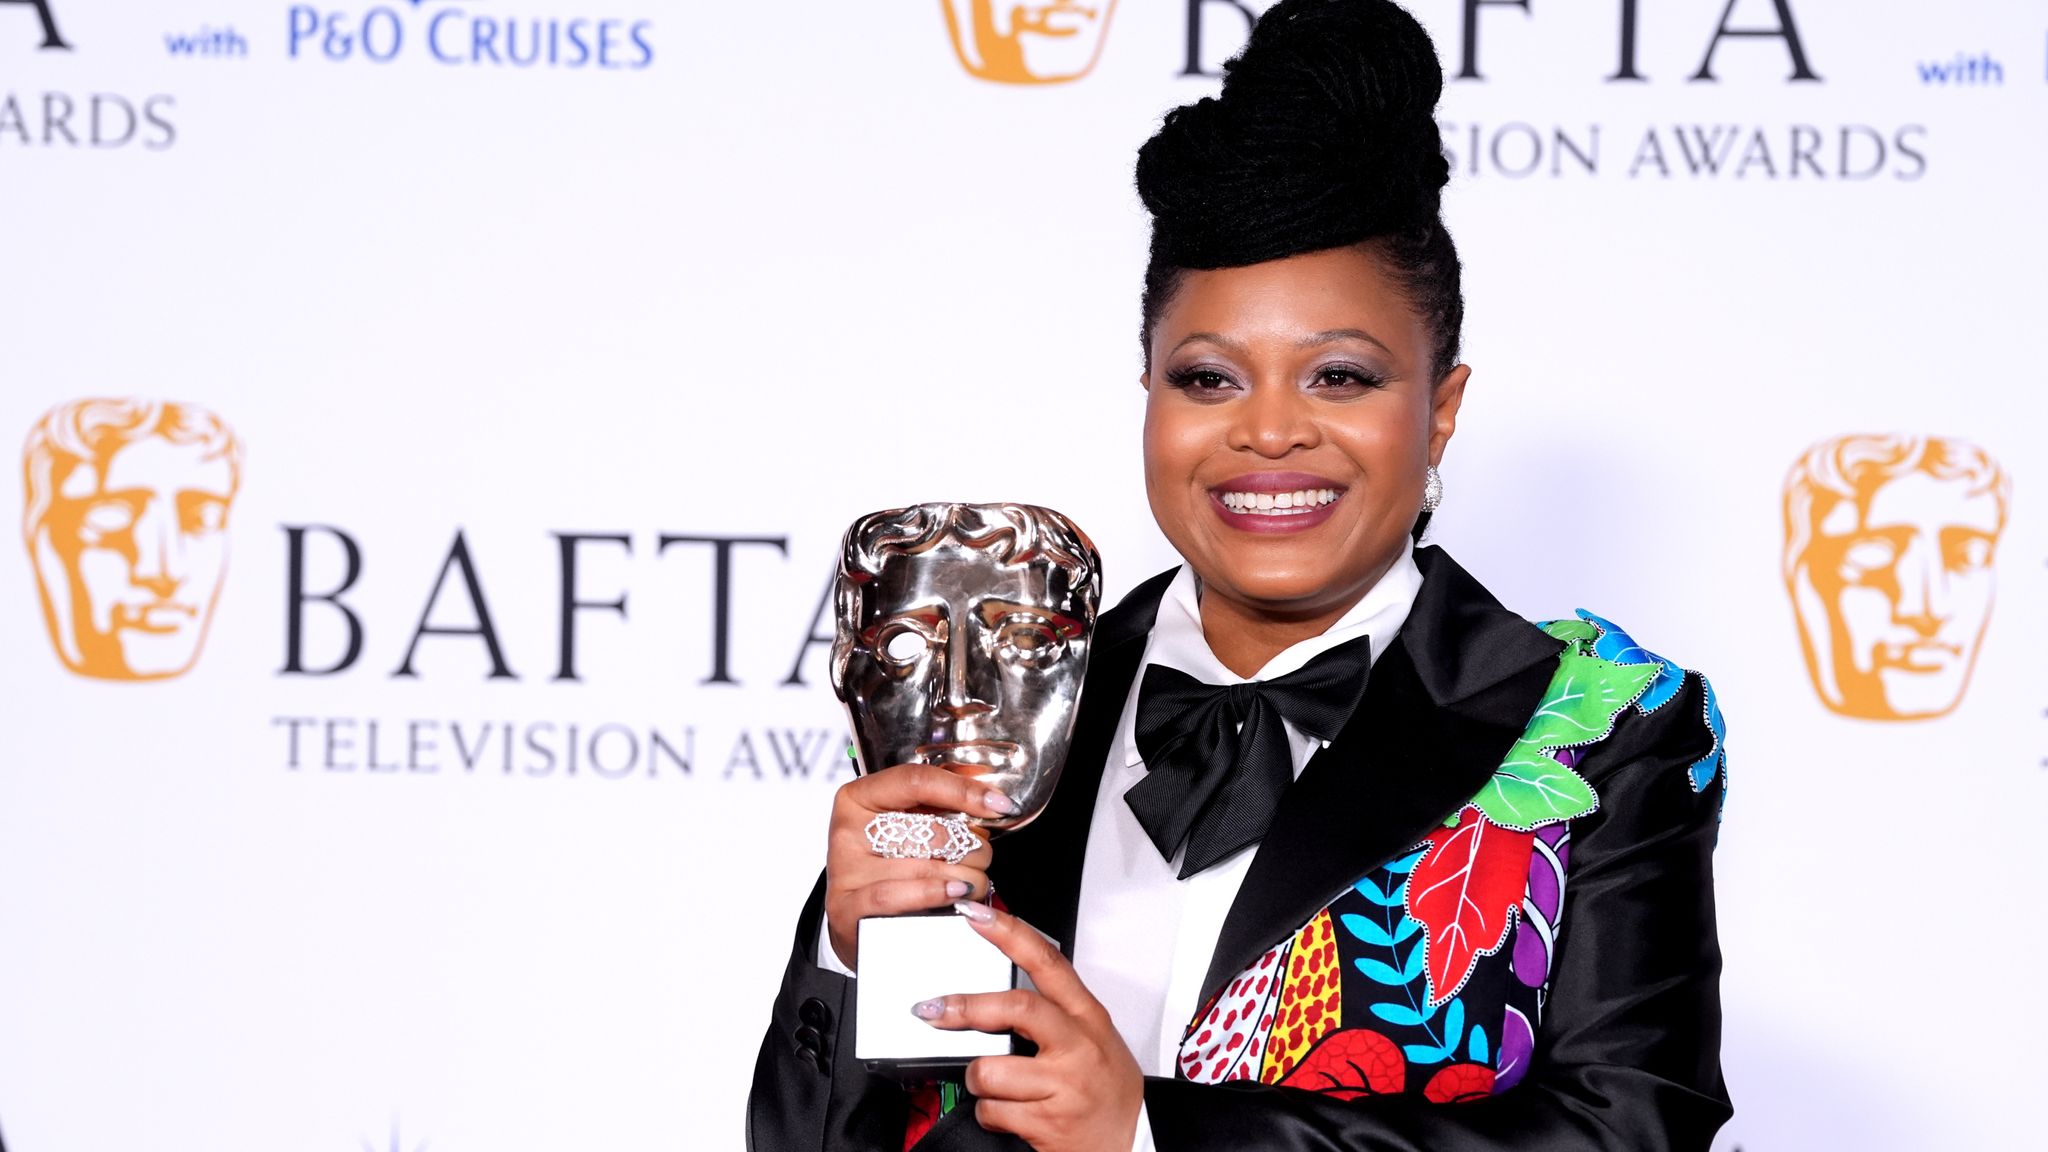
x=962, y=638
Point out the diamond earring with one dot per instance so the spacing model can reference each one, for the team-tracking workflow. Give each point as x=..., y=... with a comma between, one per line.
x=1432, y=489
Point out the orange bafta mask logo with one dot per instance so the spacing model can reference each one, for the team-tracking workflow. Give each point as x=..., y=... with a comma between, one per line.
x=1889, y=544
x=1045, y=42
x=126, y=526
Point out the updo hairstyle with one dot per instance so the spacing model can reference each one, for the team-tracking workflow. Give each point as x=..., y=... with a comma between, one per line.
x=1324, y=136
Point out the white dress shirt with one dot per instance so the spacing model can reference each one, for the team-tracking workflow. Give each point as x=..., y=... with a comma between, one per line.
x=1143, y=936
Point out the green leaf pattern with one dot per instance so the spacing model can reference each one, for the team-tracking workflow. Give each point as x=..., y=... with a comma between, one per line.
x=1572, y=631
x=1532, y=788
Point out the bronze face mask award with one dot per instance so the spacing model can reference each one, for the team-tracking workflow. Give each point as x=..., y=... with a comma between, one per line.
x=962, y=640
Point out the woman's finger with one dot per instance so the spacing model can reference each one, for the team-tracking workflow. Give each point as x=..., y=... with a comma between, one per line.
x=865, y=868
x=1018, y=1010
x=1001, y=1115
x=1011, y=1078
x=1038, y=956
x=914, y=894
x=911, y=786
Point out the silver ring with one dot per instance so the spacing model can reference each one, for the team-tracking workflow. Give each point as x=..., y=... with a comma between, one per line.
x=915, y=836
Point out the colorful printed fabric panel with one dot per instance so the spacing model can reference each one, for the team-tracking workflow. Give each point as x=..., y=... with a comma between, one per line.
x=1428, y=976
x=929, y=1100
x=1346, y=1006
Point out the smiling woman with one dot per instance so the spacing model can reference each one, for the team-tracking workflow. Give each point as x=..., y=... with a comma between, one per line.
x=1345, y=855
x=1286, y=445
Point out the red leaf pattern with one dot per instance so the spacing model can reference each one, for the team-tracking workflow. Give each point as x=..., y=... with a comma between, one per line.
x=1465, y=891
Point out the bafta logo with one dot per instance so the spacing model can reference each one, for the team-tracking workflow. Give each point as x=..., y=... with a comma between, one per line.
x=1046, y=42
x=1889, y=544
x=126, y=526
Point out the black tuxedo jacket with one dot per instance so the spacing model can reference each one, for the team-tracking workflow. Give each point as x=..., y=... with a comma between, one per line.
x=1627, y=1053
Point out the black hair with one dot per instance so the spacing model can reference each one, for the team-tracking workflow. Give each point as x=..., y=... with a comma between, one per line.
x=1324, y=136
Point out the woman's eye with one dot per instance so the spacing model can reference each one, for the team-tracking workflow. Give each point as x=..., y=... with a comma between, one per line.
x=1346, y=378
x=1199, y=381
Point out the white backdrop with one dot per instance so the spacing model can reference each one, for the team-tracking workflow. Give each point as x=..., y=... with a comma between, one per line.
x=746, y=270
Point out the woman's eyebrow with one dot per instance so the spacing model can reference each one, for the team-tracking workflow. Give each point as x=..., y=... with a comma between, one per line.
x=1334, y=335
x=1216, y=338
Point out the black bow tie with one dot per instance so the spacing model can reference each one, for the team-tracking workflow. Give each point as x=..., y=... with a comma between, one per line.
x=1216, y=755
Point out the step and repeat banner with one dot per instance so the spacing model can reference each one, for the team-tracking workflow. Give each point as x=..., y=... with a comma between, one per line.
x=435, y=419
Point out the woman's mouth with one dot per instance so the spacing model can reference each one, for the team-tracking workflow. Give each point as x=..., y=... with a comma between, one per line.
x=1293, y=503
x=1276, y=501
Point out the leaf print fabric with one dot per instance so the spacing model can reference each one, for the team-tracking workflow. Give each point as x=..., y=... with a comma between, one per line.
x=1611, y=643
x=1427, y=977
x=1464, y=892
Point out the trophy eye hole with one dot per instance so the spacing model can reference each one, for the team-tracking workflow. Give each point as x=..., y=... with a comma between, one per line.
x=1029, y=640
x=904, y=645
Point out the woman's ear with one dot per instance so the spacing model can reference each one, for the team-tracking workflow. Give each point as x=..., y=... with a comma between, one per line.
x=1444, y=400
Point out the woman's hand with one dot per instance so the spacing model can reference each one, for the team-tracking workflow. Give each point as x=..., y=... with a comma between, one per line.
x=859, y=883
x=1083, y=1090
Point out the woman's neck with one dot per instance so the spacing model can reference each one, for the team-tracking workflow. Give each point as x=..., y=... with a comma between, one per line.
x=1245, y=638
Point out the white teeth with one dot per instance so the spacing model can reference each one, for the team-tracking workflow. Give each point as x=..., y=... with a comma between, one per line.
x=1278, y=503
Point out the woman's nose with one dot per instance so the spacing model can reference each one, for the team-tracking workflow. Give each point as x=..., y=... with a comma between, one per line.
x=1273, y=420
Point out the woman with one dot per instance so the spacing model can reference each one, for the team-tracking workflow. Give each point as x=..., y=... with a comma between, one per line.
x=1443, y=878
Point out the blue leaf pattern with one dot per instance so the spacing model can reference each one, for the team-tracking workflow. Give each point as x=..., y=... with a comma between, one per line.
x=1379, y=896
x=1704, y=769
x=1616, y=645
x=1379, y=972
x=1398, y=1014
x=1366, y=930
x=1453, y=1031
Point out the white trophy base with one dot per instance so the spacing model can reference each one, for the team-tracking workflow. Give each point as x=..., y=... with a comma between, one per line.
x=908, y=959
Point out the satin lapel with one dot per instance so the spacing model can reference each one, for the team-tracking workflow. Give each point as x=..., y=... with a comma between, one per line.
x=1037, y=869
x=1441, y=708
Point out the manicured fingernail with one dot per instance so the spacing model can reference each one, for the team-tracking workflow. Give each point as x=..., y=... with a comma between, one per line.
x=958, y=888
x=979, y=913
x=928, y=1009
x=999, y=803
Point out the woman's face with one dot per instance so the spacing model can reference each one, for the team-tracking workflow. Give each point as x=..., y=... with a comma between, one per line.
x=1289, y=418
